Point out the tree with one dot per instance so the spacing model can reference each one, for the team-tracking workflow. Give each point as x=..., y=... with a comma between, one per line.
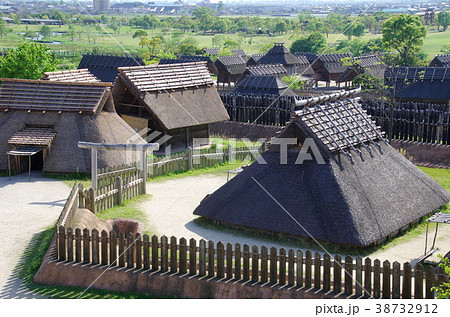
x=139, y=34
x=445, y=49
x=443, y=289
x=404, y=34
x=3, y=28
x=314, y=43
x=45, y=31
x=358, y=29
x=231, y=44
x=28, y=61
x=443, y=19
x=293, y=82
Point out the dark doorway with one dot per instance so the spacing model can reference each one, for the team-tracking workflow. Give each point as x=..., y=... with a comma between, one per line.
x=37, y=161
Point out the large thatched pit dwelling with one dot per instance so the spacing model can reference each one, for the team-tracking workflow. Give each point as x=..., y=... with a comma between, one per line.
x=171, y=100
x=361, y=193
x=48, y=118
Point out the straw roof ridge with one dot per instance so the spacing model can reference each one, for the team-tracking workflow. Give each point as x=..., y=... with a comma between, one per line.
x=77, y=75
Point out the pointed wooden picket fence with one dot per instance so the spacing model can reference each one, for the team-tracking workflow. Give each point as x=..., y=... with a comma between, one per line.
x=350, y=277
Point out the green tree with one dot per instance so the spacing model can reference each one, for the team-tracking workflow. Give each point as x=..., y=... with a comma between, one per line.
x=3, y=28
x=45, y=31
x=293, y=82
x=231, y=44
x=358, y=29
x=139, y=34
x=445, y=49
x=443, y=19
x=28, y=61
x=217, y=41
x=404, y=34
x=313, y=43
x=443, y=289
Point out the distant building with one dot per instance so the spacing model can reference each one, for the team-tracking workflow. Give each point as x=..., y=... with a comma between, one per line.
x=101, y=5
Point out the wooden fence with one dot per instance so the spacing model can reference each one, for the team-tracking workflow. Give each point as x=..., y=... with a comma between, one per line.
x=412, y=121
x=270, y=110
x=354, y=277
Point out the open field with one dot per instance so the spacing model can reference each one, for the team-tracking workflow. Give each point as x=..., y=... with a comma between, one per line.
x=89, y=38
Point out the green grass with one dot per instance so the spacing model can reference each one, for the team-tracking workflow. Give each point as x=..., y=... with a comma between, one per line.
x=31, y=261
x=442, y=176
x=70, y=179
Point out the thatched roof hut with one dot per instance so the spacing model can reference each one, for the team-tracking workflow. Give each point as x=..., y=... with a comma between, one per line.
x=264, y=70
x=442, y=60
x=51, y=117
x=327, y=67
x=104, y=67
x=177, y=100
x=230, y=68
x=419, y=84
x=263, y=85
x=366, y=64
x=294, y=65
x=362, y=192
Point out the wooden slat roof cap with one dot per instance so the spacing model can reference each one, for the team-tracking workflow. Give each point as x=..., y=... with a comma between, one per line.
x=50, y=82
x=161, y=66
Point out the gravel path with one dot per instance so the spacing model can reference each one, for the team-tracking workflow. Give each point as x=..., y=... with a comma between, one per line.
x=28, y=207
x=174, y=201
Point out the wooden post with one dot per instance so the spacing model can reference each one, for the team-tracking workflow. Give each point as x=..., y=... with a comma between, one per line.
x=326, y=272
x=429, y=283
x=246, y=263
x=406, y=288
x=62, y=243
x=164, y=254
x=202, y=258
x=359, y=280
x=273, y=265
x=396, y=280
x=94, y=168
x=78, y=245
x=368, y=277
x=86, y=246
x=104, y=247
x=237, y=261
x=264, y=264
x=69, y=237
x=299, y=269
x=220, y=260
x=211, y=262
x=138, y=247
x=418, y=281
x=376, y=278
x=308, y=269
x=173, y=254
x=92, y=200
x=192, y=256
x=348, y=275
x=282, y=267
x=317, y=268
x=229, y=256
x=95, y=247
x=146, y=247
x=130, y=251
x=155, y=255
x=189, y=158
x=119, y=186
x=143, y=171
x=113, y=248
x=337, y=272
x=183, y=256
x=291, y=272
x=255, y=264
x=386, y=279
x=231, y=158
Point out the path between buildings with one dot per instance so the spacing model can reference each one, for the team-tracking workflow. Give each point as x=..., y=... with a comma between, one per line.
x=27, y=208
x=174, y=201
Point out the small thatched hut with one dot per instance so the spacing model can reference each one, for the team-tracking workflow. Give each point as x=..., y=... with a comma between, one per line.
x=104, y=67
x=442, y=60
x=177, y=100
x=263, y=85
x=230, y=68
x=264, y=70
x=45, y=120
x=327, y=67
x=356, y=190
x=294, y=65
x=366, y=64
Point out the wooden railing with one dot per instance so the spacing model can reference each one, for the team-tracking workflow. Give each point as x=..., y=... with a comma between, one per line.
x=350, y=276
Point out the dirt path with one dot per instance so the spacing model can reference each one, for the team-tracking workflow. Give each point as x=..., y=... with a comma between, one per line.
x=174, y=201
x=27, y=208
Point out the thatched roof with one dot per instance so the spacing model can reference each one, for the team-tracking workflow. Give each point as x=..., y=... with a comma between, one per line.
x=232, y=64
x=191, y=58
x=63, y=120
x=353, y=198
x=425, y=83
x=370, y=63
x=215, y=51
x=104, y=67
x=263, y=85
x=78, y=75
x=279, y=54
x=332, y=63
x=442, y=60
x=45, y=95
x=177, y=95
